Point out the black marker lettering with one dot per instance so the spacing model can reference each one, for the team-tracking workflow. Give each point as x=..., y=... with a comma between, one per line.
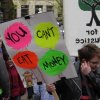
x=18, y=59
x=23, y=32
x=9, y=38
x=39, y=34
x=28, y=58
x=16, y=40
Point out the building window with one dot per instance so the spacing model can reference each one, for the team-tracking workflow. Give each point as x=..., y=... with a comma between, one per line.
x=1, y=17
x=38, y=9
x=24, y=10
x=49, y=8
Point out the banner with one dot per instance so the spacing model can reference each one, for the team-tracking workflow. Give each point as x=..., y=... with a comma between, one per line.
x=81, y=23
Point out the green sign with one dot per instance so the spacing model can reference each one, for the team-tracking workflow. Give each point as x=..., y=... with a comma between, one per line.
x=47, y=35
x=54, y=62
x=88, y=5
x=1, y=91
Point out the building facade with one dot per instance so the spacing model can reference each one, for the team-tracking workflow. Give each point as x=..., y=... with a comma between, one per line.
x=29, y=7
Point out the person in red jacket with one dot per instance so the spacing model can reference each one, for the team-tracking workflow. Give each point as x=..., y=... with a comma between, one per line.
x=4, y=76
x=17, y=88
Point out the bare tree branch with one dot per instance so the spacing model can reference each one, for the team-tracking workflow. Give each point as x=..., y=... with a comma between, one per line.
x=98, y=2
x=87, y=3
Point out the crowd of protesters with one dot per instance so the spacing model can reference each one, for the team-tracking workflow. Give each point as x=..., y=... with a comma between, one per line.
x=87, y=85
x=84, y=87
x=11, y=85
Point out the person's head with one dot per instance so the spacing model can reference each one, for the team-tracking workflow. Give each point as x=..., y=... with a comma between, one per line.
x=9, y=62
x=90, y=53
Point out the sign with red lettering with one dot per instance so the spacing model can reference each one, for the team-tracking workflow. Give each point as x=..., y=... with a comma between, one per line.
x=17, y=36
x=26, y=59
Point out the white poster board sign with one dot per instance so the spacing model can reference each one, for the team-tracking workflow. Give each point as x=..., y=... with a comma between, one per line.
x=81, y=23
x=37, y=46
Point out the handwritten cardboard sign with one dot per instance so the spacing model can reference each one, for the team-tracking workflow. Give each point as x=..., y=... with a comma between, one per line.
x=26, y=59
x=36, y=45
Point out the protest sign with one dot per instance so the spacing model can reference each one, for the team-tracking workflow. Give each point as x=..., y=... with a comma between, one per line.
x=36, y=45
x=81, y=23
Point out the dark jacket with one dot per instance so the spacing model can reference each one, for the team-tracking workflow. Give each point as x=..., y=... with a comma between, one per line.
x=68, y=89
x=92, y=82
x=16, y=85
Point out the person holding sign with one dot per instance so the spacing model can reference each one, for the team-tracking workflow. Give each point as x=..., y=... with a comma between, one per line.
x=67, y=89
x=28, y=77
x=4, y=77
x=40, y=92
x=89, y=71
x=16, y=85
